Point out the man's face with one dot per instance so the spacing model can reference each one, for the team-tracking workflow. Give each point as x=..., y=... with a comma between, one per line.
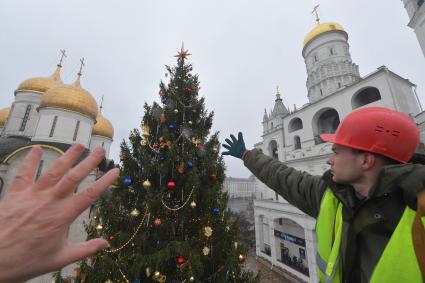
x=345, y=165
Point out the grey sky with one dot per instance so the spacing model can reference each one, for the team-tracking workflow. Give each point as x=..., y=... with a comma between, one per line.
x=241, y=50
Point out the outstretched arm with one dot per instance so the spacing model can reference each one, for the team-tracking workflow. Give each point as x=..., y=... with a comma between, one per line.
x=298, y=188
x=35, y=215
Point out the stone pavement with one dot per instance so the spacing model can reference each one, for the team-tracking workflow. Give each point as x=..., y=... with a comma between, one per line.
x=267, y=275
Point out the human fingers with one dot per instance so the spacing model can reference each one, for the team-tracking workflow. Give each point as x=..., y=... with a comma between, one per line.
x=27, y=170
x=227, y=146
x=233, y=138
x=60, y=167
x=77, y=174
x=82, y=200
x=240, y=137
x=228, y=141
x=78, y=251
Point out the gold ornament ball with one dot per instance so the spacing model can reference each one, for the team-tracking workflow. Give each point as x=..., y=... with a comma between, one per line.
x=99, y=228
x=148, y=272
x=208, y=231
x=134, y=212
x=193, y=204
x=190, y=122
x=206, y=250
x=192, y=279
x=236, y=245
x=176, y=110
x=146, y=184
x=143, y=143
x=156, y=274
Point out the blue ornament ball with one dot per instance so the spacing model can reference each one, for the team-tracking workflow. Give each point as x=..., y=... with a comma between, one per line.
x=171, y=126
x=127, y=181
x=164, y=100
x=216, y=210
x=189, y=165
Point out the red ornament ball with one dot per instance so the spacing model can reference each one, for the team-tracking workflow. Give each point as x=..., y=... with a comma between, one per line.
x=161, y=93
x=157, y=222
x=242, y=258
x=111, y=238
x=155, y=146
x=121, y=157
x=171, y=185
x=189, y=90
x=180, y=260
x=213, y=177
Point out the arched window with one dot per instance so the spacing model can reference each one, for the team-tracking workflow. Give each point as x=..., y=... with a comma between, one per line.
x=297, y=142
x=52, y=130
x=77, y=126
x=1, y=185
x=365, y=96
x=40, y=168
x=324, y=121
x=26, y=117
x=273, y=149
x=295, y=124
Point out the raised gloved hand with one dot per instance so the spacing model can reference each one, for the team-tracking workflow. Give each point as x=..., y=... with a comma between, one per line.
x=235, y=147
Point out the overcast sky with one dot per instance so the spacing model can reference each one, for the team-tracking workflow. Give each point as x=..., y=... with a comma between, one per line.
x=241, y=50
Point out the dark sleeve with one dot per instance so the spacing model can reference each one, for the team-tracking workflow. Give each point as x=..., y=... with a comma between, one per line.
x=299, y=188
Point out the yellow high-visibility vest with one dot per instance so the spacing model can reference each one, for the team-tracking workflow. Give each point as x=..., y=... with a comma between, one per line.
x=398, y=262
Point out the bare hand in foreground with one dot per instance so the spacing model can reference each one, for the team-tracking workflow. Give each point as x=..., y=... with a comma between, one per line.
x=35, y=215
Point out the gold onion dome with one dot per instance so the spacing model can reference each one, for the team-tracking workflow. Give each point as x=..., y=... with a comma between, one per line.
x=41, y=84
x=320, y=29
x=4, y=113
x=70, y=97
x=103, y=127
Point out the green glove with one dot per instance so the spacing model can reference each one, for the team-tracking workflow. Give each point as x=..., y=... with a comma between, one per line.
x=235, y=147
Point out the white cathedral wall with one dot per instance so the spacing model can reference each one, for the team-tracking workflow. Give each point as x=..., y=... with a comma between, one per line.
x=13, y=164
x=19, y=106
x=65, y=127
x=417, y=20
x=420, y=30
x=99, y=141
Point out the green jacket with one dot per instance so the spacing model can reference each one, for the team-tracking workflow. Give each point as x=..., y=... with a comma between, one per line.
x=368, y=223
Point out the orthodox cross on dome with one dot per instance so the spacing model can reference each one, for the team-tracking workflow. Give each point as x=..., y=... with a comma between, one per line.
x=79, y=74
x=63, y=55
x=278, y=93
x=182, y=54
x=316, y=13
x=81, y=67
x=101, y=104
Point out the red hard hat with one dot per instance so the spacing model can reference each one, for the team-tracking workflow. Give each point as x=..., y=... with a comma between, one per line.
x=379, y=130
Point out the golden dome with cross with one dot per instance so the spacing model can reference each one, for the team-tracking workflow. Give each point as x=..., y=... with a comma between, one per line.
x=71, y=97
x=4, y=114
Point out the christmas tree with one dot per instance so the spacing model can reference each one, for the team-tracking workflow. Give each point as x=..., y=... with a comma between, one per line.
x=166, y=220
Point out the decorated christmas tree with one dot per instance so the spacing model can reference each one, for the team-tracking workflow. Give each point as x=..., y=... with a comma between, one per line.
x=166, y=220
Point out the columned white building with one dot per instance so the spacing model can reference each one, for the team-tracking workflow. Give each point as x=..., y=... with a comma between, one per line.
x=239, y=187
x=285, y=236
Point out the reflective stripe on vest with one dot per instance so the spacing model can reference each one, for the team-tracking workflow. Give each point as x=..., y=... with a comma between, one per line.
x=398, y=262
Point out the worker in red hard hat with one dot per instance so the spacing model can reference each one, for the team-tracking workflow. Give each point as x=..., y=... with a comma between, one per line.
x=369, y=207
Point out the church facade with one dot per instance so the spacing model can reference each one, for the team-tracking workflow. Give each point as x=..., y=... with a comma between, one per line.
x=416, y=11
x=53, y=115
x=285, y=236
